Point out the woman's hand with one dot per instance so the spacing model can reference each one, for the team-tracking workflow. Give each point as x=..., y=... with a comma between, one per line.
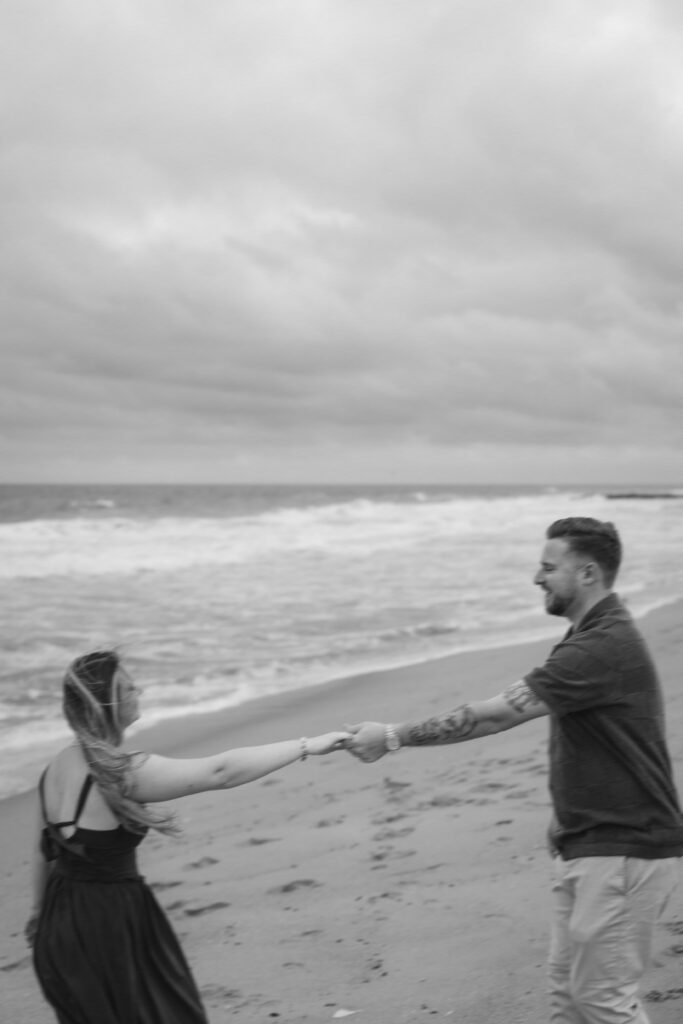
x=327, y=743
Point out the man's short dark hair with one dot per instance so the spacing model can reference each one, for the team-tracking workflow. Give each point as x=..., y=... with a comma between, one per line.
x=593, y=539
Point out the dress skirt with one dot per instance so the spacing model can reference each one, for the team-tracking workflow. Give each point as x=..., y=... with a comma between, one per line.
x=105, y=952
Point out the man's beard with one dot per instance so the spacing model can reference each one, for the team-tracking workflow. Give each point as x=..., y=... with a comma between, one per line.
x=556, y=604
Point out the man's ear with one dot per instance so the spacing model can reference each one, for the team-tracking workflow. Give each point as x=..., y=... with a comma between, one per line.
x=591, y=573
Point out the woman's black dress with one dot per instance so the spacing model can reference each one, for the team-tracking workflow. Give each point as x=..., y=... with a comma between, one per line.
x=104, y=951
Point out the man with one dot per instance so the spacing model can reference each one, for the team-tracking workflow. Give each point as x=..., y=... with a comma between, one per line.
x=617, y=831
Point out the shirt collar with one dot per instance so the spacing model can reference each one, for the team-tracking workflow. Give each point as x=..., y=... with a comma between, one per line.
x=606, y=604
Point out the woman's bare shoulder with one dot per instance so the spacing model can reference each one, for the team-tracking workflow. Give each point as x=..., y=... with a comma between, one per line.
x=64, y=780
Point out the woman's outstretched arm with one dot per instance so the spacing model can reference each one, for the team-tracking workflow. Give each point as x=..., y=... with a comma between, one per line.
x=167, y=778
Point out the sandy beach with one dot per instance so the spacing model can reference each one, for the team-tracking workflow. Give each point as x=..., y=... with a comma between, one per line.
x=405, y=891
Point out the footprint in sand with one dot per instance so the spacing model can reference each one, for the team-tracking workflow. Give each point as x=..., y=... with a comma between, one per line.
x=384, y=896
x=197, y=911
x=16, y=963
x=177, y=905
x=160, y=886
x=445, y=800
x=220, y=992
x=255, y=841
x=535, y=769
x=390, y=854
x=393, y=785
x=205, y=862
x=655, y=996
x=375, y=963
x=392, y=833
x=395, y=790
x=298, y=883
x=388, y=819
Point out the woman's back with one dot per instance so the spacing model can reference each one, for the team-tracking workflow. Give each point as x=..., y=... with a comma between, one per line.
x=62, y=786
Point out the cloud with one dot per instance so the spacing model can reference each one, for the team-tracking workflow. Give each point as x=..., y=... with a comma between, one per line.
x=357, y=230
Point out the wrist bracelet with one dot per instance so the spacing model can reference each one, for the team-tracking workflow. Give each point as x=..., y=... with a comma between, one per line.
x=304, y=748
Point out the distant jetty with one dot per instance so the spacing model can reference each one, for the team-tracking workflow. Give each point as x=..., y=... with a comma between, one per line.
x=644, y=495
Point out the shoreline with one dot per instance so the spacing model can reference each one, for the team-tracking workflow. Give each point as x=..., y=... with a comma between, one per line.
x=165, y=724
x=410, y=887
x=348, y=679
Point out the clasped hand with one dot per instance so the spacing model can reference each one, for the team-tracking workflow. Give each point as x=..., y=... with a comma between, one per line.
x=367, y=741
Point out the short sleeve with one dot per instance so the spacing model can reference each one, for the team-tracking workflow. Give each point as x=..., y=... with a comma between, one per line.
x=573, y=679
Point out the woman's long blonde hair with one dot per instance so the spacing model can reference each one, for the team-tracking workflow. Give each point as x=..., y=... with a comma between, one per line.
x=91, y=705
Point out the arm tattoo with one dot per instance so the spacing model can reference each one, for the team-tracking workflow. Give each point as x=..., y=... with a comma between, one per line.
x=453, y=727
x=520, y=697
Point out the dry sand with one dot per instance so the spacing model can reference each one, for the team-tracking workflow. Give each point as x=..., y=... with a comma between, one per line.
x=410, y=890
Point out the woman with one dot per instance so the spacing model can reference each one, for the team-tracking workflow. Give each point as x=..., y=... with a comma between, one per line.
x=103, y=950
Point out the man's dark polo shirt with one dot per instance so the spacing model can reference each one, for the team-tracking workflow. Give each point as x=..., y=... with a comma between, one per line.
x=610, y=773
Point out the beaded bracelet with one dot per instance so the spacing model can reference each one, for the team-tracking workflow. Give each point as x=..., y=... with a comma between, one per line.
x=304, y=748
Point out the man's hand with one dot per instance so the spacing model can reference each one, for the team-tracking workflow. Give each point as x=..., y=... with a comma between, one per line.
x=368, y=741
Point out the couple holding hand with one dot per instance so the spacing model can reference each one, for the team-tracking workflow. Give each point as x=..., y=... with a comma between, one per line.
x=104, y=951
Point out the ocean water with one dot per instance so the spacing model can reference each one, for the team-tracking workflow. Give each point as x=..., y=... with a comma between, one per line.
x=218, y=595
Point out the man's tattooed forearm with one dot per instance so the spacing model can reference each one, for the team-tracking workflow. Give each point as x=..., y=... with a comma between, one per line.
x=519, y=696
x=449, y=728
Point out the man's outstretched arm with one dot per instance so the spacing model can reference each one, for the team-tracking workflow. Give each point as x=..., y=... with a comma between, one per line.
x=515, y=705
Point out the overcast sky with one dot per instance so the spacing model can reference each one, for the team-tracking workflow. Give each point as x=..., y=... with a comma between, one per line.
x=354, y=240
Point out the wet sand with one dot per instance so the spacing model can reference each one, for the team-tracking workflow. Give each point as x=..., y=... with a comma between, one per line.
x=412, y=889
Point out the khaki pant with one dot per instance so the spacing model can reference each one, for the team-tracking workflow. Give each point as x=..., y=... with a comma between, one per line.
x=605, y=912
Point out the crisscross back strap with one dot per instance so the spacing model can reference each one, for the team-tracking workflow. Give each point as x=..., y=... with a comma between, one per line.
x=82, y=797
